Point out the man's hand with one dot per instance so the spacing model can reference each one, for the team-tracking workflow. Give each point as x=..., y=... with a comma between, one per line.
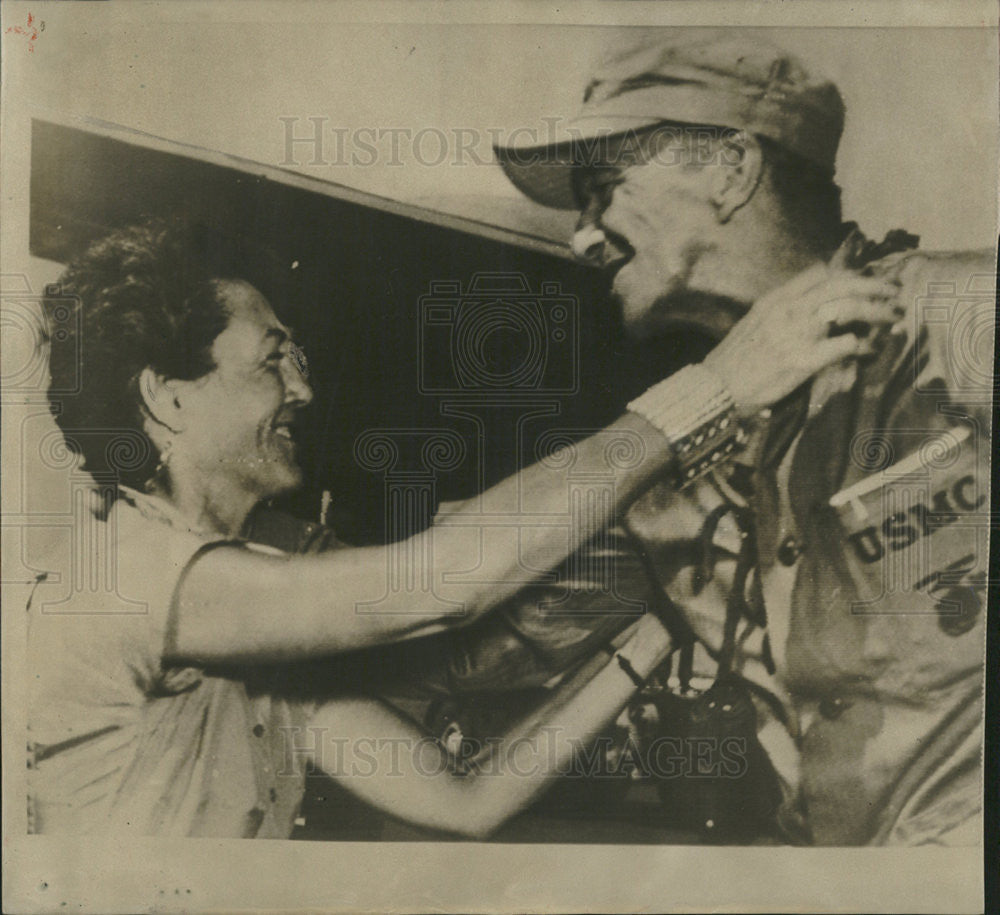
x=794, y=331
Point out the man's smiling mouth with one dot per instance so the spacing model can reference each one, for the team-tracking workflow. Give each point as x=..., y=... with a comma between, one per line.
x=616, y=254
x=283, y=427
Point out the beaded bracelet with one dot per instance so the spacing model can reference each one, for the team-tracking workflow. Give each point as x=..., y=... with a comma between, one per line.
x=693, y=409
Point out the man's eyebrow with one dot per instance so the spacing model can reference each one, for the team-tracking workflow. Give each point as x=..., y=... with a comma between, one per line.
x=280, y=334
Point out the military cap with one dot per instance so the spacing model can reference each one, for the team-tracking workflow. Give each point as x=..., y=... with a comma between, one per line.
x=719, y=78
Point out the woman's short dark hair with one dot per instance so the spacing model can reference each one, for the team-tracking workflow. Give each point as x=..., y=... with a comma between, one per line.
x=145, y=295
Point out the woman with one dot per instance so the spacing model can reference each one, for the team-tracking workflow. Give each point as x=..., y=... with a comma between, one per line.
x=157, y=705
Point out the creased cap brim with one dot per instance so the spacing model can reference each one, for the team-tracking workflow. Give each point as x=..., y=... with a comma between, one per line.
x=725, y=81
x=544, y=170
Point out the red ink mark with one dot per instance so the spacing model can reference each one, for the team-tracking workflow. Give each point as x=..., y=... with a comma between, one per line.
x=30, y=32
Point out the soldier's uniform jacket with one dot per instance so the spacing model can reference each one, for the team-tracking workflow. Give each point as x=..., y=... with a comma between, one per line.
x=872, y=539
x=871, y=516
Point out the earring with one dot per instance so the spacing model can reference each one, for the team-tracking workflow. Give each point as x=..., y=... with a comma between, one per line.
x=164, y=456
x=161, y=465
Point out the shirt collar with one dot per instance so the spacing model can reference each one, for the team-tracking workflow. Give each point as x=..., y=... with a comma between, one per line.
x=156, y=508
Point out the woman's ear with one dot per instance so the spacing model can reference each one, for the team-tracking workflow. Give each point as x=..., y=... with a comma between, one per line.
x=735, y=182
x=160, y=398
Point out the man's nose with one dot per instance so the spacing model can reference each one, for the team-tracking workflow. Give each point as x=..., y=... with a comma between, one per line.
x=588, y=239
x=297, y=388
x=588, y=242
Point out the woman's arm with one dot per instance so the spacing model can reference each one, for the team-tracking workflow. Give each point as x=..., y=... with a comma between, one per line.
x=234, y=605
x=407, y=774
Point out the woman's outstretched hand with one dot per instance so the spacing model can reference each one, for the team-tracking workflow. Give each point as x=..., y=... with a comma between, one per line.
x=820, y=317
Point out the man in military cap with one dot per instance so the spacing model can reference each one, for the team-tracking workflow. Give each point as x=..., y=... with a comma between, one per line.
x=838, y=561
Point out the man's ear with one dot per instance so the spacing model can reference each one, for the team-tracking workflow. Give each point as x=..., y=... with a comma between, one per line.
x=738, y=175
x=161, y=400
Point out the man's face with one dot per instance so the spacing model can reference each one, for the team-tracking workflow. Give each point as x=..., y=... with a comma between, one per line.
x=648, y=224
x=238, y=418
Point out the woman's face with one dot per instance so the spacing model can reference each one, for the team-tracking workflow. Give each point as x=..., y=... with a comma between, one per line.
x=237, y=423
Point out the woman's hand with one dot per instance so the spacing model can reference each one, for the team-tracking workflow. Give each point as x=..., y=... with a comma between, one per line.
x=794, y=331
